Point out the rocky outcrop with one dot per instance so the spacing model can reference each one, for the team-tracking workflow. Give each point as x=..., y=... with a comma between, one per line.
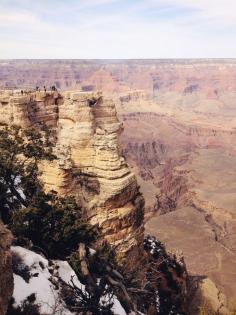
x=29, y=109
x=6, y=275
x=207, y=297
x=107, y=186
x=89, y=163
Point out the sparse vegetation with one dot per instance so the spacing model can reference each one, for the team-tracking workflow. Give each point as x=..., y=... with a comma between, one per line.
x=21, y=150
x=53, y=224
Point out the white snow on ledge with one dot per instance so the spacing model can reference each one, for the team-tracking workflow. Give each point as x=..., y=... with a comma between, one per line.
x=47, y=296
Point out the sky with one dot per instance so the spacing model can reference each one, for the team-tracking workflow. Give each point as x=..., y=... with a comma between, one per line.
x=117, y=29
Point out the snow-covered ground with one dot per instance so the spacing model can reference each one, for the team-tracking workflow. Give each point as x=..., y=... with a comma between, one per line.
x=40, y=282
x=43, y=277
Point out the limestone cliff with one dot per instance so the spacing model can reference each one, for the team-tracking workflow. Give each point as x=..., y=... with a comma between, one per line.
x=6, y=275
x=89, y=163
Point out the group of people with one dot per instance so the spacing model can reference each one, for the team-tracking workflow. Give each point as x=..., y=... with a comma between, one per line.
x=52, y=88
x=37, y=89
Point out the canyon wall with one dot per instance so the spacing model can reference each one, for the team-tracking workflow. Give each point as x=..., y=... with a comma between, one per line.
x=89, y=164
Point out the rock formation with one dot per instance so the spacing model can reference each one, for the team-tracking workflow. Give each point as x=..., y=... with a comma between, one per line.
x=208, y=297
x=6, y=275
x=89, y=163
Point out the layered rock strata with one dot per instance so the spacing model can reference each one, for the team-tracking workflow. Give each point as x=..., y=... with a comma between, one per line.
x=89, y=163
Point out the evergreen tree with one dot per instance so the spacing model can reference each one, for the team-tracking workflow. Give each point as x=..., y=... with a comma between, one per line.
x=54, y=224
x=20, y=152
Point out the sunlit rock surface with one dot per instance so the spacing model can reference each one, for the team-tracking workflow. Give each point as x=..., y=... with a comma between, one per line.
x=89, y=162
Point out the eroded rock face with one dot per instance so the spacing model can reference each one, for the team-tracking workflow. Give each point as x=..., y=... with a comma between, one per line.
x=6, y=275
x=89, y=162
x=107, y=186
x=207, y=297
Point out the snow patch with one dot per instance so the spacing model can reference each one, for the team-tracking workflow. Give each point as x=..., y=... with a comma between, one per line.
x=117, y=308
x=47, y=295
x=43, y=276
x=66, y=273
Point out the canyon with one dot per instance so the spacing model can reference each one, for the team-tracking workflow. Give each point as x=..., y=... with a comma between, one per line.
x=179, y=137
x=187, y=173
